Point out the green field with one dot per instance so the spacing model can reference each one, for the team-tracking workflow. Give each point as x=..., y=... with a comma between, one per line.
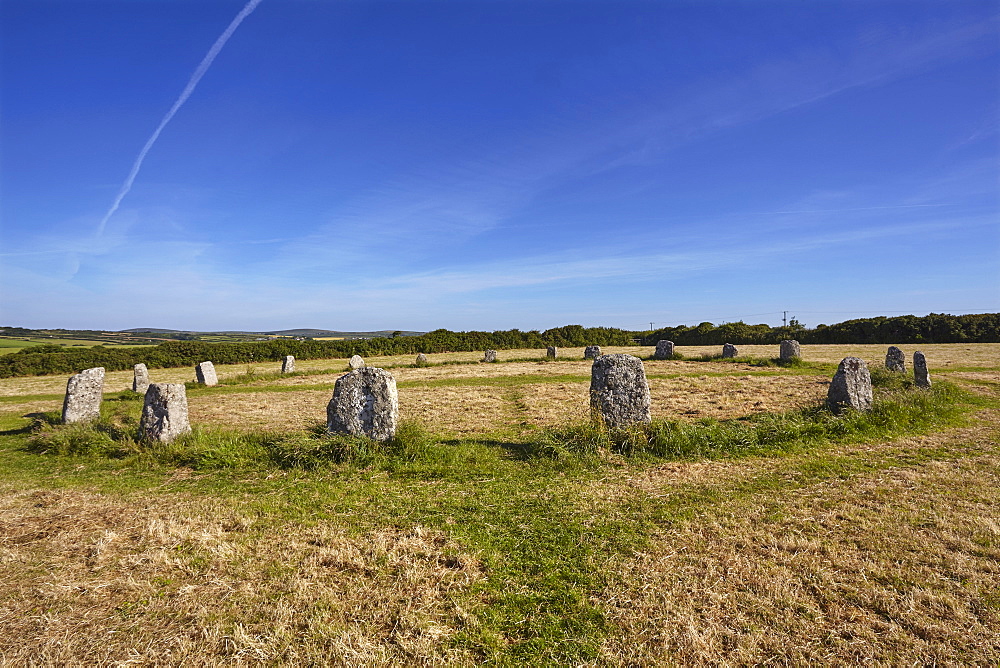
x=499, y=529
x=12, y=345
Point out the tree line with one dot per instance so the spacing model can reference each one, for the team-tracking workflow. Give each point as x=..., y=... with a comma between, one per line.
x=51, y=359
x=933, y=328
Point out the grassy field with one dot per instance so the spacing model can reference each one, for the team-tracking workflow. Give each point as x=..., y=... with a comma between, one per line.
x=500, y=529
x=12, y=345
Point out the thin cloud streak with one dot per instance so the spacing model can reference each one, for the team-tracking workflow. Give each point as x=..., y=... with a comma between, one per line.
x=185, y=94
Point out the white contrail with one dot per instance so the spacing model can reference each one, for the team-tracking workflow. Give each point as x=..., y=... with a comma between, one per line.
x=185, y=94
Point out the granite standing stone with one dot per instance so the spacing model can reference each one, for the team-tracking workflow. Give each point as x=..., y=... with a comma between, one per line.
x=664, y=350
x=591, y=352
x=895, y=360
x=164, y=412
x=356, y=362
x=551, y=352
x=205, y=373
x=364, y=403
x=490, y=356
x=288, y=364
x=921, y=377
x=851, y=386
x=84, y=392
x=729, y=350
x=421, y=358
x=140, y=378
x=790, y=349
x=619, y=393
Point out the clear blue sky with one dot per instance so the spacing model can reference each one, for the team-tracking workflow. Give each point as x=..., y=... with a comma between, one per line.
x=478, y=164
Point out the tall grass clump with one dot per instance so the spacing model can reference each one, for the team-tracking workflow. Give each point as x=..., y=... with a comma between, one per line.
x=316, y=448
x=112, y=434
x=896, y=410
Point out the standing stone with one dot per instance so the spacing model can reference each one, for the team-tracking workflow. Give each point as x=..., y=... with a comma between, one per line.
x=205, y=373
x=790, y=349
x=140, y=378
x=729, y=350
x=591, y=352
x=364, y=403
x=664, y=350
x=895, y=360
x=921, y=377
x=421, y=358
x=356, y=362
x=164, y=413
x=288, y=364
x=551, y=352
x=490, y=356
x=851, y=386
x=619, y=393
x=84, y=392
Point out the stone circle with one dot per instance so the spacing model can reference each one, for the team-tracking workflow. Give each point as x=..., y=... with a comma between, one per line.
x=140, y=378
x=591, y=352
x=288, y=364
x=619, y=393
x=895, y=360
x=790, y=349
x=84, y=392
x=490, y=356
x=921, y=377
x=729, y=350
x=664, y=350
x=851, y=386
x=356, y=362
x=421, y=358
x=364, y=403
x=164, y=412
x=205, y=373
x=551, y=352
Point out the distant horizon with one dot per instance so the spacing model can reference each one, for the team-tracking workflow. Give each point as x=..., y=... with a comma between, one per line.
x=526, y=329
x=488, y=165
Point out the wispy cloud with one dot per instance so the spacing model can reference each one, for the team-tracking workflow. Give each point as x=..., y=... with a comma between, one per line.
x=185, y=94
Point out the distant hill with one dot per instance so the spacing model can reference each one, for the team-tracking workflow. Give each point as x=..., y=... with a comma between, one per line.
x=310, y=333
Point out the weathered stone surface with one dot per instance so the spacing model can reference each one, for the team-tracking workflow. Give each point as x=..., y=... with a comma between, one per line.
x=895, y=360
x=205, y=373
x=140, y=378
x=789, y=349
x=921, y=377
x=591, y=352
x=164, y=413
x=421, y=358
x=490, y=356
x=551, y=352
x=664, y=350
x=364, y=403
x=851, y=386
x=619, y=393
x=729, y=350
x=356, y=362
x=84, y=392
x=288, y=364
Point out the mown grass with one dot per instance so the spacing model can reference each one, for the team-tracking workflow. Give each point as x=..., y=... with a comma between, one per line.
x=526, y=508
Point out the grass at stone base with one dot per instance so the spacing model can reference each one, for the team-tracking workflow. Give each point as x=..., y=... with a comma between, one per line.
x=547, y=544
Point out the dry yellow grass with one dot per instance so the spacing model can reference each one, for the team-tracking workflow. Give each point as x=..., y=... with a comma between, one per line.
x=475, y=409
x=939, y=356
x=896, y=568
x=279, y=411
x=90, y=580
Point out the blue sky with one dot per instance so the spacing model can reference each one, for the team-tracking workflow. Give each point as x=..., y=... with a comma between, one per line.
x=480, y=164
